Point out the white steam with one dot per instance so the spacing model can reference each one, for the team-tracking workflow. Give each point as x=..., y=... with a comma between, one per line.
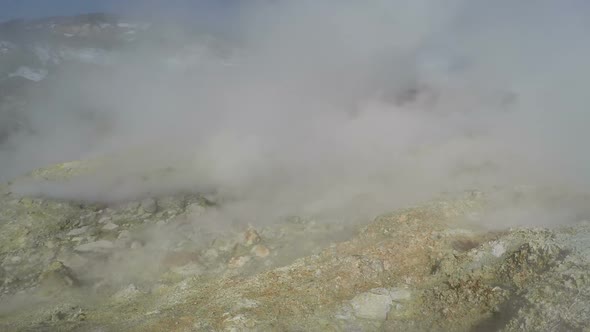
x=336, y=108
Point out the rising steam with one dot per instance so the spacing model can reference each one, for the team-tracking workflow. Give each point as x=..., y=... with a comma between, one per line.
x=332, y=108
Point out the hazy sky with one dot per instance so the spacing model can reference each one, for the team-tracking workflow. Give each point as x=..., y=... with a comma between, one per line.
x=41, y=8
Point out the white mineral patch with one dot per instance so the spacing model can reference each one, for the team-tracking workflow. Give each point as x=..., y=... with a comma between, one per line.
x=498, y=249
x=29, y=73
x=374, y=304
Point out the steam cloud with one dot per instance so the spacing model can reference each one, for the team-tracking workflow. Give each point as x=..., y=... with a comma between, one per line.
x=333, y=108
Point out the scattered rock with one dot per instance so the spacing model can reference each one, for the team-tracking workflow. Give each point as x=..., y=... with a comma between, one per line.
x=237, y=262
x=179, y=258
x=78, y=239
x=239, y=322
x=104, y=220
x=14, y=259
x=245, y=304
x=195, y=210
x=172, y=204
x=78, y=231
x=125, y=235
x=251, y=237
x=102, y=287
x=123, y=242
x=260, y=250
x=55, y=277
x=211, y=254
x=110, y=226
x=127, y=293
x=190, y=269
x=70, y=313
x=374, y=304
x=100, y=246
x=73, y=261
x=498, y=249
x=400, y=294
x=149, y=205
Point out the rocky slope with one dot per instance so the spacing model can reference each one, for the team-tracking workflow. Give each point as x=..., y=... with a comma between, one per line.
x=157, y=264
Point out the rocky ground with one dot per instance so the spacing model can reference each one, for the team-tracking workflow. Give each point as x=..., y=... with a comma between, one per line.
x=151, y=265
